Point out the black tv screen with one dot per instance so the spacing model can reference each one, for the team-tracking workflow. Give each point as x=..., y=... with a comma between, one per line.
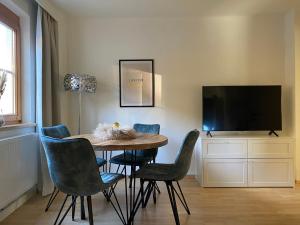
x=241, y=108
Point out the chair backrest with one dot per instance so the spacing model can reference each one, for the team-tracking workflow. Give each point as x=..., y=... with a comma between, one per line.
x=184, y=156
x=149, y=129
x=72, y=165
x=58, y=131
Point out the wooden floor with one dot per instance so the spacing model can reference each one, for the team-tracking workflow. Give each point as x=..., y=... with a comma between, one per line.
x=209, y=206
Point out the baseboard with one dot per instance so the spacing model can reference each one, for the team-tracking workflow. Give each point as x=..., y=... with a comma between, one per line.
x=5, y=212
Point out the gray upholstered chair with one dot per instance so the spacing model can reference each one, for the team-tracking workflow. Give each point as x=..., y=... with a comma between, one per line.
x=74, y=171
x=58, y=131
x=61, y=131
x=169, y=173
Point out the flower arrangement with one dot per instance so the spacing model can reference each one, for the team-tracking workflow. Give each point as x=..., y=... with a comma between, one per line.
x=3, y=80
x=114, y=132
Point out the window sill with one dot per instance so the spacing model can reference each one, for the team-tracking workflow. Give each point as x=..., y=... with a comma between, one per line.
x=17, y=126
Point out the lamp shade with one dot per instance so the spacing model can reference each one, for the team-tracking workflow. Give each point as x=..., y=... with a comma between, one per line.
x=80, y=83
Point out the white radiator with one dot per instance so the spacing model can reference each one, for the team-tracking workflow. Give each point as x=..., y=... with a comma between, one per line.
x=18, y=167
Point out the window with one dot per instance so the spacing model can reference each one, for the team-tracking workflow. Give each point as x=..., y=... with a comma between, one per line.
x=10, y=65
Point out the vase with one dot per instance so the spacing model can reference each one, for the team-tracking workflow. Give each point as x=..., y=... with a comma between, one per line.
x=2, y=120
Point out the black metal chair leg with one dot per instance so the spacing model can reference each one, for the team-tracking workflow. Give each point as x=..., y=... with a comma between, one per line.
x=106, y=194
x=51, y=199
x=148, y=193
x=183, y=201
x=175, y=211
x=118, y=210
x=173, y=201
x=118, y=168
x=133, y=169
x=154, y=193
x=138, y=202
x=130, y=180
x=142, y=193
x=82, y=208
x=73, y=207
x=111, y=190
x=157, y=188
x=61, y=208
x=62, y=219
x=90, y=210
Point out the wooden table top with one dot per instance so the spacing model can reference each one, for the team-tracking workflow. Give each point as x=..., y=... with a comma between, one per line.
x=141, y=142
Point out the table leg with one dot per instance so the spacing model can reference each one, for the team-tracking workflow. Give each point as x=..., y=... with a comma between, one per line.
x=103, y=157
x=107, y=157
x=108, y=161
x=126, y=192
x=132, y=188
x=134, y=180
x=132, y=201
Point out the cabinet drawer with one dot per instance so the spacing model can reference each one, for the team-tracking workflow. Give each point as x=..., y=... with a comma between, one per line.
x=225, y=173
x=270, y=173
x=270, y=149
x=225, y=148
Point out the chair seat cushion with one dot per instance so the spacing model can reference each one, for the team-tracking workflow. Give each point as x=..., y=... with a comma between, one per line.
x=110, y=178
x=130, y=159
x=100, y=161
x=157, y=171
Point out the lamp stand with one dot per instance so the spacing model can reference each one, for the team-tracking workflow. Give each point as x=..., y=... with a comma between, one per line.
x=79, y=113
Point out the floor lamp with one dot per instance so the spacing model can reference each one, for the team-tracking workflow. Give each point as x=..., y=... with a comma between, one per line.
x=80, y=83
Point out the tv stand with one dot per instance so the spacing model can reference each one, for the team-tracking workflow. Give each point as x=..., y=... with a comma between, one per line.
x=208, y=134
x=245, y=161
x=273, y=132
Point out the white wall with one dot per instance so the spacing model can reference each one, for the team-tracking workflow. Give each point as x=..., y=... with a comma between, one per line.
x=297, y=91
x=289, y=75
x=188, y=53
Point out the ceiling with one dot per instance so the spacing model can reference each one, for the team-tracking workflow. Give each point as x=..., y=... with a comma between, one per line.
x=173, y=8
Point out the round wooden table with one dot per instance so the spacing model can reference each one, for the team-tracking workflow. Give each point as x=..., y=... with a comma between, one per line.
x=141, y=142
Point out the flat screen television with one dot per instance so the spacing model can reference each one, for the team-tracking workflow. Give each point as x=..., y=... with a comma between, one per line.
x=241, y=108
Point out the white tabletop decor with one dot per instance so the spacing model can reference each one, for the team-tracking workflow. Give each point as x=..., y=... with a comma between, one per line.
x=114, y=132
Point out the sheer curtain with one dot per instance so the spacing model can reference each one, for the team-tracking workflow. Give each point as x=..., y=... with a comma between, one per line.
x=47, y=81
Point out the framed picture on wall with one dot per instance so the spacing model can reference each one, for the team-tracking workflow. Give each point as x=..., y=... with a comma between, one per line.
x=136, y=78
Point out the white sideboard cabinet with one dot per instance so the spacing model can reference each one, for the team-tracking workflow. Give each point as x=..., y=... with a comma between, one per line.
x=245, y=162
